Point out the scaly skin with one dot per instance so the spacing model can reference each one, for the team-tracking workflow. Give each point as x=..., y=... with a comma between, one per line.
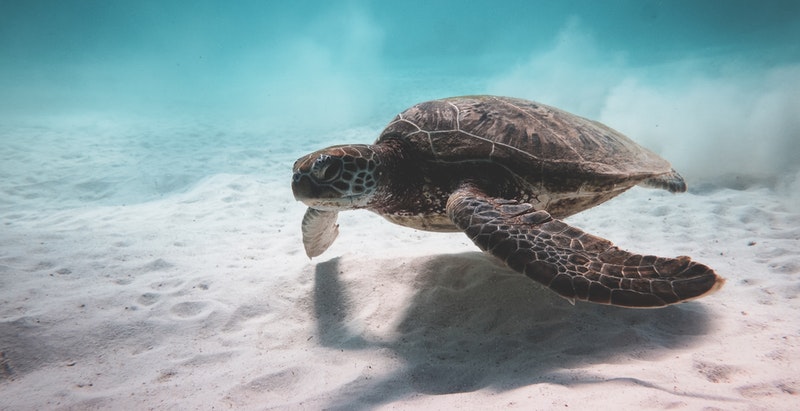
x=572, y=263
x=504, y=171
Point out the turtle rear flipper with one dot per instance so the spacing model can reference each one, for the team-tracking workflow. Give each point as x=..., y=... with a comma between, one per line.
x=319, y=230
x=572, y=263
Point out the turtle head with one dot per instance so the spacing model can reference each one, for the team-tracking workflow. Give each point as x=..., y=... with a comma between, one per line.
x=338, y=177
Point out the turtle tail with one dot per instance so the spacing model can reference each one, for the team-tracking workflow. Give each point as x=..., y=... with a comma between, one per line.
x=670, y=181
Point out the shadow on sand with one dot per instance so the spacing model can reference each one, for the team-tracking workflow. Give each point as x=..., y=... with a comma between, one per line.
x=472, y=324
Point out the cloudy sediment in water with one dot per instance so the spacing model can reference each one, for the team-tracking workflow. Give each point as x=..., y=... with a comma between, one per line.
x=150, y=246
x=712, y=83
x=636, y=64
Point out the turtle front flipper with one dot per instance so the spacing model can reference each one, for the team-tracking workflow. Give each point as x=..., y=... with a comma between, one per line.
x=319, y=231
x=572, y=263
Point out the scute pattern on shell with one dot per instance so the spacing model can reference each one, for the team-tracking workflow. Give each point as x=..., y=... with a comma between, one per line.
x=523, y=135
x=504, y=171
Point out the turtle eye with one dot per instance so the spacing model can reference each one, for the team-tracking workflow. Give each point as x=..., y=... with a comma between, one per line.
x=326, y=169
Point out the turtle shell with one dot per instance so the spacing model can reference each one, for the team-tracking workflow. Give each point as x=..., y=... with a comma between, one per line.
x=541, y=144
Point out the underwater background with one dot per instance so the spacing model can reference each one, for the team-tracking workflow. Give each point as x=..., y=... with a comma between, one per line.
x=710, y=85
x=150, y=246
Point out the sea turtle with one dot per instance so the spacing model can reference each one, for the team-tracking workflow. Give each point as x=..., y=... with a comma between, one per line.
x=504, y=171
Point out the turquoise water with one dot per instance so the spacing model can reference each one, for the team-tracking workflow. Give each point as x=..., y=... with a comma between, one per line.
x=710, y=85
x=151, y=254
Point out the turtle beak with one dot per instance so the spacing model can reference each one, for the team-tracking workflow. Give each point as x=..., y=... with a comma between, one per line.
x=303, y=188
x=313, y=194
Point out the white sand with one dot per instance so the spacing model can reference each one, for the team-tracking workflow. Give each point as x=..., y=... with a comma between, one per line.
x=144, y=272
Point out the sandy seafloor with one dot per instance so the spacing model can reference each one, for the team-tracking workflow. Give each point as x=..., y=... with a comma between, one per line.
x=137, y=272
